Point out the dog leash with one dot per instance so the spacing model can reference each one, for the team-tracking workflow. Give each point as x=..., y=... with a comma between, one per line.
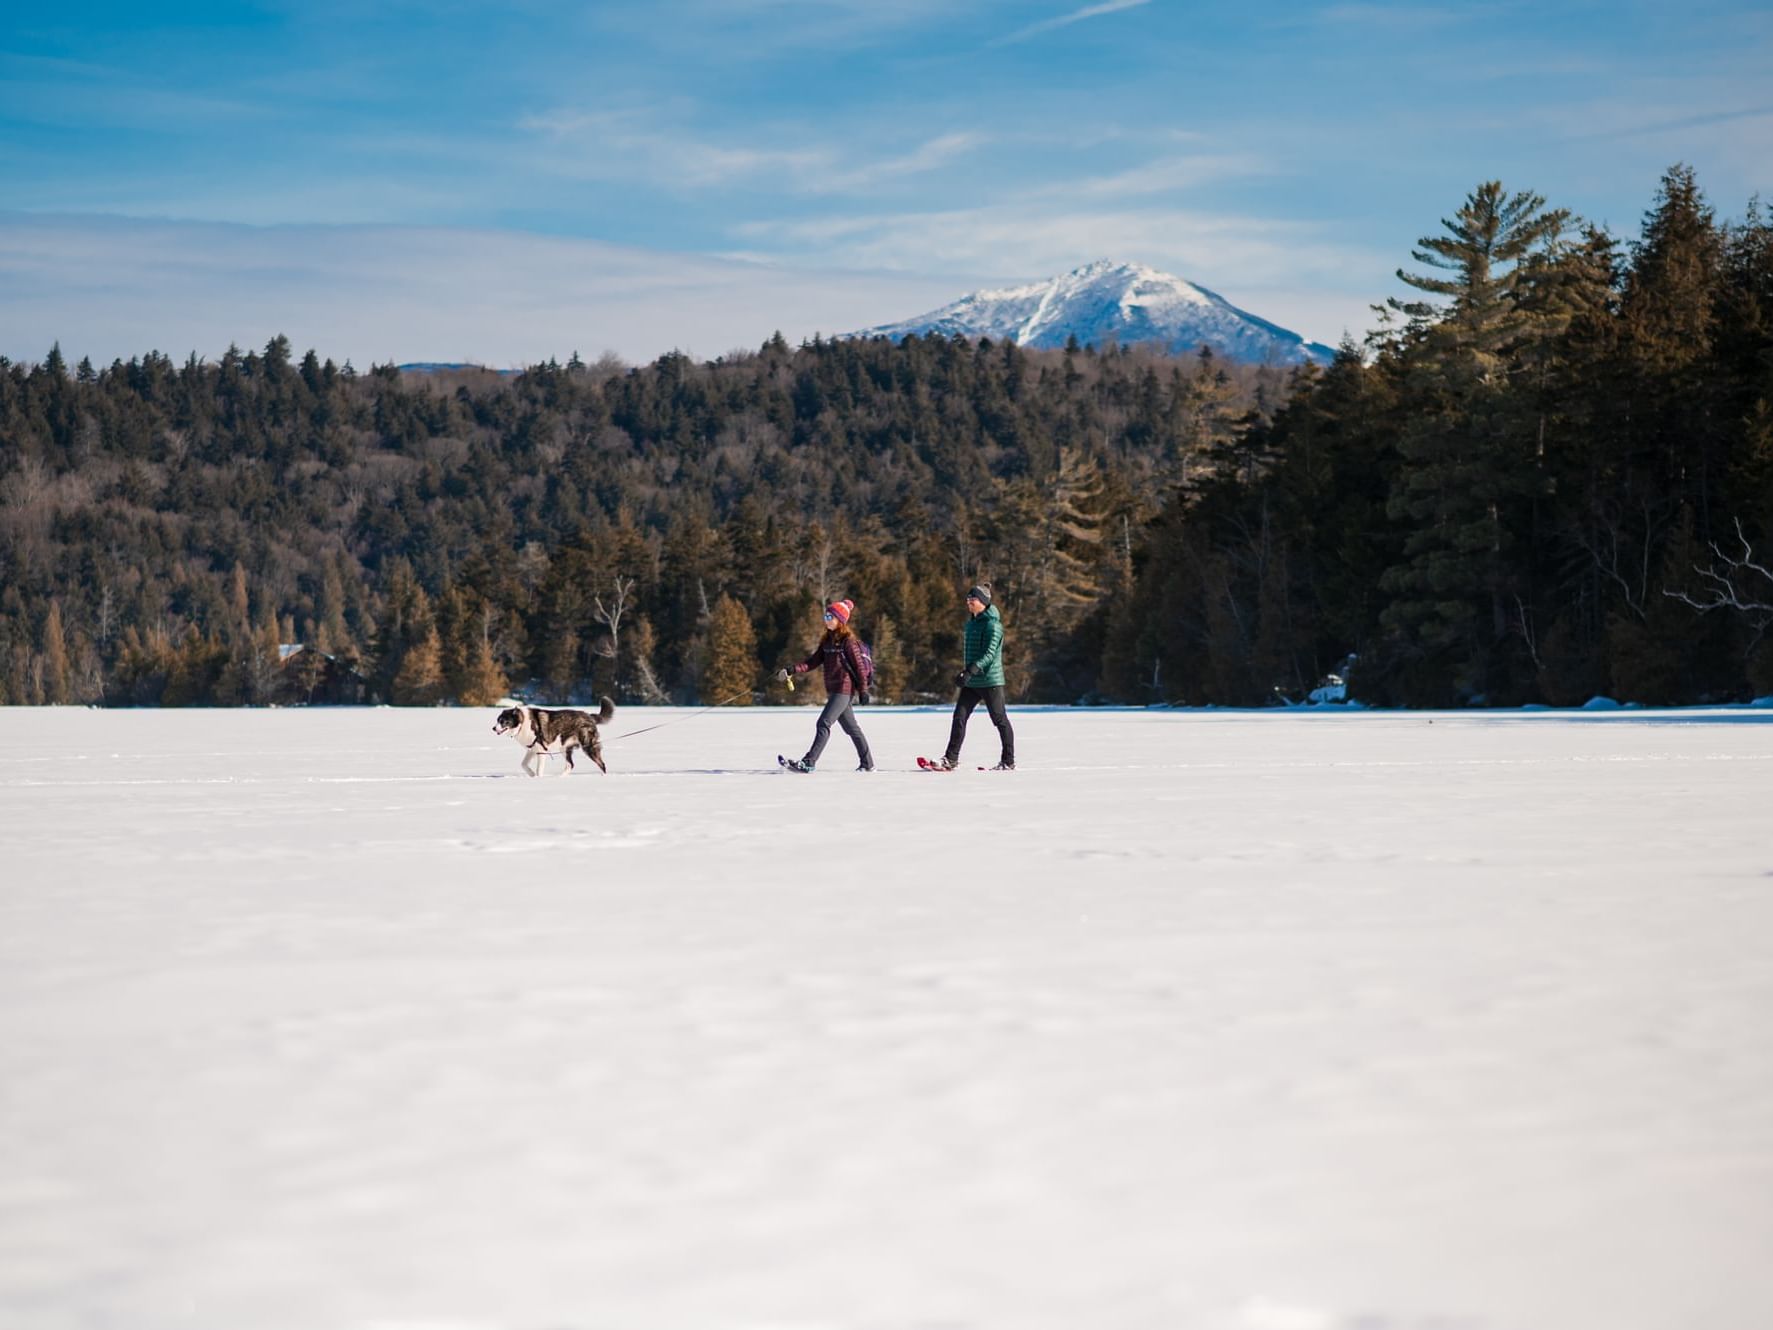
x=647, y=729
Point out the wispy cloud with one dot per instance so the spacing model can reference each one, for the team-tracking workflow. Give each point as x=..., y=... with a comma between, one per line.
x=1066, y=20
x=631, y=144
x=625, y=143
x=1165, y=175
x=126, y=103
x=1017, y=240
x=110, y=287
x=931, y=156
x=1696, y=121
x=741, y=31
x=16, y=64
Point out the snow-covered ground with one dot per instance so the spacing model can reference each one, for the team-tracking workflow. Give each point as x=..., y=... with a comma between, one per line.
x=1280, y=1021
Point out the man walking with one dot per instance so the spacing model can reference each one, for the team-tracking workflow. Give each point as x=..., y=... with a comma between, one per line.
x=980, y=679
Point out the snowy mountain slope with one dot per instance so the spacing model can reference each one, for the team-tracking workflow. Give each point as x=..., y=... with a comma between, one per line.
x=1119, y=302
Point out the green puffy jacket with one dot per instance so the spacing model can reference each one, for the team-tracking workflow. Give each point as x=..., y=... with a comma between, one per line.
x=983, y=649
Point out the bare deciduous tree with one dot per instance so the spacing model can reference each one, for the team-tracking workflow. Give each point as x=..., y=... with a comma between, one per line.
x=609, y=613
x=817, y=565
x=107, y=615
x=1733, y=582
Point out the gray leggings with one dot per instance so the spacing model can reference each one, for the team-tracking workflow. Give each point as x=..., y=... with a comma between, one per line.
x=839, y=707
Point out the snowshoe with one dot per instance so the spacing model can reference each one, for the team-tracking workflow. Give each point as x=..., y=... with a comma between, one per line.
x=934, y=764
x=793, y=763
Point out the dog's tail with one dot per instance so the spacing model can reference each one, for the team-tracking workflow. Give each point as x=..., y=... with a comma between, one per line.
x=606, y=711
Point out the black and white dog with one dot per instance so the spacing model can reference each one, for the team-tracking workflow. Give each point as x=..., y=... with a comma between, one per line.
x=545, y=732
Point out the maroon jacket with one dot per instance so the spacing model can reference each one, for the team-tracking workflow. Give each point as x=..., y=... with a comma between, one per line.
x=842, y=660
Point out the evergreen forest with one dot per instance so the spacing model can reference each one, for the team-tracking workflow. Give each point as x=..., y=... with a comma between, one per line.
x=1548, y=476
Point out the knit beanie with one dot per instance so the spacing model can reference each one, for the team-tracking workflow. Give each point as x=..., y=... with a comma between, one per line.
x=842, y=609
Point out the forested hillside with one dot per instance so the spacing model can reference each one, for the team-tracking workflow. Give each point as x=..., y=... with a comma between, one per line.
x=662, y=532
x=1491, y=502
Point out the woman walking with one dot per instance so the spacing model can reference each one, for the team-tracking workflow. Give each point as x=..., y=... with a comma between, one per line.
x=846, y=682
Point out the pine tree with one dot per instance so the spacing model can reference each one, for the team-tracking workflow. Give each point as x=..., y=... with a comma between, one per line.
x=729, y=668
x=640, y=647
x=419, y=682
x=332, y=609
x=889, y=664
x=459, y=631
x=483, y=682
x=252, y=667
x=1571, y=381
x=57, y=680
x=199, y=665
x=561, y=664
x=1672, y=286
x=406, y=619
x=239, y=606
x=1667, y=432
x=1047, y=541
x=1744, y=336
x=1466, y=451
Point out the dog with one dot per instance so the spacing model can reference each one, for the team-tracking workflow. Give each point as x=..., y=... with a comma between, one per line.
x=545, y=732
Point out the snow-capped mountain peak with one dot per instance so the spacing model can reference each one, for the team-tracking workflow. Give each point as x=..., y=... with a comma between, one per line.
x=1105, y=302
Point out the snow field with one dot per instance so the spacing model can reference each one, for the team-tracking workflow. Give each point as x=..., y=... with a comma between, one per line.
x=1240, y=1021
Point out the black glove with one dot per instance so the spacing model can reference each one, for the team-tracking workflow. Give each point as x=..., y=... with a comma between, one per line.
x=864, y=699
x=960, y=678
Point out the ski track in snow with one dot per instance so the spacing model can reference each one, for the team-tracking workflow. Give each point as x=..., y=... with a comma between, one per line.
x=1237, y=1021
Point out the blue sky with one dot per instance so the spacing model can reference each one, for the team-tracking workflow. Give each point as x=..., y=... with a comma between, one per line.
x=502, y=183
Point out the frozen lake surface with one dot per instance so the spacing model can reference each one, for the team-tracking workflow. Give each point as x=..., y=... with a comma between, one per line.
x=330, y=1020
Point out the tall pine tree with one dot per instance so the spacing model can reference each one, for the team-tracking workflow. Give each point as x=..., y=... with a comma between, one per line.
x=729, y=669
x=1465, y=468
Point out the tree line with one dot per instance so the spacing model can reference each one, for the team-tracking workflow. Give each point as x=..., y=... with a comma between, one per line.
x=168, y=532
x=1546, y=478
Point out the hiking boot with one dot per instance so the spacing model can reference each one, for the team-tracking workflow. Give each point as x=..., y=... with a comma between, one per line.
x=798, y=764
x=1004, y=766
x=866, y=766
x=943, y=764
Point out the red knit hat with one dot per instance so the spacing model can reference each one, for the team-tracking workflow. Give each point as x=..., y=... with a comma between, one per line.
x=842, y=609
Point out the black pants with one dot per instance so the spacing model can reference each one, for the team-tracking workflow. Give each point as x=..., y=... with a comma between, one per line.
x=839, y=708
x=969, y=698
